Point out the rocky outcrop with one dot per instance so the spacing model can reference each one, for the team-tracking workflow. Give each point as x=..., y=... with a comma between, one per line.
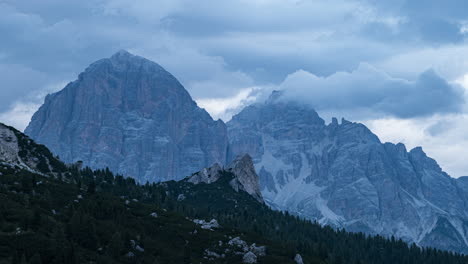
x=131, y=115
x=206, y=175
x=245, y=177
x=250, y=254
x=18, y=150
x=207, y=225
x=9, y=147
x=249, y=258
x=298, y=259
x=342, y=175
x=243, y=172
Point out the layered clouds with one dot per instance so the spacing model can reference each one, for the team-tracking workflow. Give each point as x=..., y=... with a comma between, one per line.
x=374, y=93
x=386, y=63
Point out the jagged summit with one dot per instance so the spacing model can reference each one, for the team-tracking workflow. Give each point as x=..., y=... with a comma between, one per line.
x=242, y=168
x=131, y=115
x=342, y=175
x=246, y=177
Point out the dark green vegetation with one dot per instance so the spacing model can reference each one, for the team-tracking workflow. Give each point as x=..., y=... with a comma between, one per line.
x=85, y=216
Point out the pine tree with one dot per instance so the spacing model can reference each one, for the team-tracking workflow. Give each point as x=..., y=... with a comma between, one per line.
x=91, y=187
x=35, y=259
x=116, y=246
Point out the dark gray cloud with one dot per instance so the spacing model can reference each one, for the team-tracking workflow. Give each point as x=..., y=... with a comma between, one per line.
x=432, y=22
x=217, y=48
x=19, y=82
x=370, y=90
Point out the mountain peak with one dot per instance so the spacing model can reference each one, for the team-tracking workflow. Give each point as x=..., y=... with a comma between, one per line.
x=131, y=115
x=274, y=96
x=418, y=151
x=126, y=58
x=121, y=53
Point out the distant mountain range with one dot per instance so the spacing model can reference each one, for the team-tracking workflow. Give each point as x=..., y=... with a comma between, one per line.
x=342, y=175
x=57, y=213
x=129, y=114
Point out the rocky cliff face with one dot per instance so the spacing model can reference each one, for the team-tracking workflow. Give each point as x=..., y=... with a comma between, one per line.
x=243, y=172
x=9, y=147
x=341, y=174
x=246, y=178
x=129, y=114
x=17, y=150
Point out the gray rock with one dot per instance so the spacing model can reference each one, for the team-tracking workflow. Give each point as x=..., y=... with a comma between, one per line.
x=249, y=257
x=245, y=177
x=242, y=168
x=298, y=259
x=30, y=159
x=206, y=175
x=181, y=197
x=213, y=254
x=129, y=114
x=9, y=147
x=237, y=242
x=138, y=248
x=207, y=225
x=260, y=251
x=154, y=214
x=342, y=175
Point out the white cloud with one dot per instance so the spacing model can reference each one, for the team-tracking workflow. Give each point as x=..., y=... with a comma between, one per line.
x=443, y=137
x=463, y=81
x=19, y=115
x=370, y=90
x=225, y=108
x=450, y=61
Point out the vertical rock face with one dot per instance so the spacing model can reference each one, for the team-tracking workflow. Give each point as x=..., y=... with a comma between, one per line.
x=245, y=177
x=341, y=174
x=129, y=114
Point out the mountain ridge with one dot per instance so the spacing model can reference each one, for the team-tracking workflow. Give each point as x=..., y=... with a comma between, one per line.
x=343, y=175
x=118, y=115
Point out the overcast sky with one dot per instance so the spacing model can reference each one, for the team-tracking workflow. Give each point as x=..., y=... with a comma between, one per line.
x=399, y=66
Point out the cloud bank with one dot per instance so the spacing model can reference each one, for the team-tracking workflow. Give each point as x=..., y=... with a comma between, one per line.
x=373, y=91
x=220, y=50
